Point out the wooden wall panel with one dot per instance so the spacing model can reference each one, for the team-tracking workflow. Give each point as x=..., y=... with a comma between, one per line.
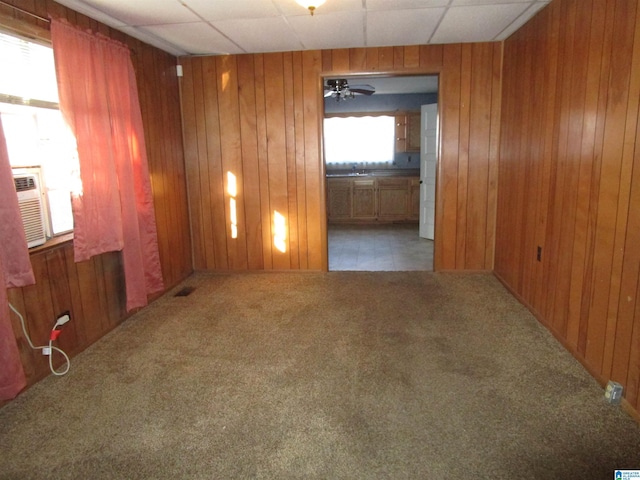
x=278, y=109
x=299, y=113
x=250, y=169
x=569, y=143
x=93, y=291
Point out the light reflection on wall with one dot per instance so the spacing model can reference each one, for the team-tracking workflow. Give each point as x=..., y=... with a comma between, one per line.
x=225, y=80
x=232, y=190
x=279, y=231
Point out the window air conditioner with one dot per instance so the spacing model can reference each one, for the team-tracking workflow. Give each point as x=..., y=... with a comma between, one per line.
x=31, y=207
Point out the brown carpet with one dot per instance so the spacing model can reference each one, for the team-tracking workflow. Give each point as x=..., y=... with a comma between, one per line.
x=345, y=375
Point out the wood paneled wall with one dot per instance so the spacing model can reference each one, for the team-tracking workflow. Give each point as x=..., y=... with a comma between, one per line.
x=93, y=291
x=569, y=180
x=259, y=117
x=256, y=117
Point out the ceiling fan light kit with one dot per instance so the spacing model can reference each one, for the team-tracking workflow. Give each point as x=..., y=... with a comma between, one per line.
x=311, y=5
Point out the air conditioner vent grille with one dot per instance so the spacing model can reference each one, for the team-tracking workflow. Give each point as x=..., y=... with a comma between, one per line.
x=24, y=183
x=30, y=201
x=31, y=219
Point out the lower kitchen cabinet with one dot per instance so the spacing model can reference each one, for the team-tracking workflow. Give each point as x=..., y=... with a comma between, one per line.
x=414, y=198
x=372, y=199
x=393, y=199
x=339, y=198
x=364, y=199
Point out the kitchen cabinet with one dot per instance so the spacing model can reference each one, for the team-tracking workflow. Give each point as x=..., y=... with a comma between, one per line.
x=364, y=199
x=393, y=199
x=413, y=132
x=372, y=199
x=401, y=133
x=414, y=198
x=408, y=132
x=339, y=198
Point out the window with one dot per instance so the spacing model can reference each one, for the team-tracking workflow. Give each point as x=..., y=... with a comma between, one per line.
x=359, y=139
x=37, y=136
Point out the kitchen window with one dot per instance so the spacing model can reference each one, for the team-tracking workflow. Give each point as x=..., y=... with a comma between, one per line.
x=351, y=140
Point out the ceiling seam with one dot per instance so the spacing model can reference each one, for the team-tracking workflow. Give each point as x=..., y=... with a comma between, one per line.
x=525, y=12
x=160, y=40
x=444, y=13
x=286, y=20
x=211, y=25
x=293, y=30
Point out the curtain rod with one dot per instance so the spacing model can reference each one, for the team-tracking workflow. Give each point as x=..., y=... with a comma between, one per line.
x=25, y=12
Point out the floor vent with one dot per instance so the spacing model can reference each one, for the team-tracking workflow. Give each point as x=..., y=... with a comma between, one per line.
x=185, y=292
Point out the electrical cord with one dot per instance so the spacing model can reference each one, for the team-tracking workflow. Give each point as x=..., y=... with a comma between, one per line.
x=53, y=336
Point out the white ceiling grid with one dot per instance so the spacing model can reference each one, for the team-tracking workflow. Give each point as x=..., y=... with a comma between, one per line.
x=216, y=27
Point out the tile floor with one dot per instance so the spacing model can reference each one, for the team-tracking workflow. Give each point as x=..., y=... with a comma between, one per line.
x=378, y=248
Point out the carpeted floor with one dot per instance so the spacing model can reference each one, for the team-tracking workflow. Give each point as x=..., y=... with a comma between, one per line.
x=345, y=375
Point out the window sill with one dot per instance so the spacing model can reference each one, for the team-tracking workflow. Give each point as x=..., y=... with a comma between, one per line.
x=52, y=243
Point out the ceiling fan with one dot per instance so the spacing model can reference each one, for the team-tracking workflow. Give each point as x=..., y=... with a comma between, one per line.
x=340, y=90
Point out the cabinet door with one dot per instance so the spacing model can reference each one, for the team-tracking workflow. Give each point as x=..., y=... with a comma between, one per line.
x=339, y=199
x=414, y=198
x=364, y=199
x=401, y=133
x=393, y=199
x=413, y=132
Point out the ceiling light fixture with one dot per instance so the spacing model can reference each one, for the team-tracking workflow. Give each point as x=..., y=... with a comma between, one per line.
x=339, y=89
x=311, y=5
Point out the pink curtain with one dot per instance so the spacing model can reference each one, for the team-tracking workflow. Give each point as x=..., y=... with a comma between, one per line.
x=15, y=271
x=114, y=211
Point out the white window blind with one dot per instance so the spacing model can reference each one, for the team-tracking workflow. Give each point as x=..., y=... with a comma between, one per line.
x=28, y=70
x=359, y=139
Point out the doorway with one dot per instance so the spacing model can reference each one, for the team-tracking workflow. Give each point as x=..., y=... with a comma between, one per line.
x=378, y=209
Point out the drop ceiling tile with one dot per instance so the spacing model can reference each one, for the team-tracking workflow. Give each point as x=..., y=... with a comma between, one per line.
x=196, y=38
x=520, y=21
x=336, y=30
x=144, y=12
x=141, y=34
x=476, y=23
x=462, y=3
x=232, y=9
x=402, y=27
x=85, y=9
x=404, y=4
x=291, y=7
x=271, y=34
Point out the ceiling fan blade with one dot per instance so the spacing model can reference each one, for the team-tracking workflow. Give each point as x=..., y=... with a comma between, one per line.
x=363, y=91
x=328, y=93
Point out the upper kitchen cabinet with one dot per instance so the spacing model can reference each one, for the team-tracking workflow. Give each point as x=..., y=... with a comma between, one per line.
x=408, y=132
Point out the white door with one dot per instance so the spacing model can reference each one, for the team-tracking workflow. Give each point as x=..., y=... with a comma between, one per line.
x=428, y=162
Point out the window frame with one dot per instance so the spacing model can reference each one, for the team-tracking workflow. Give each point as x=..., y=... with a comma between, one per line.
x=40, y=36
x=390, y=115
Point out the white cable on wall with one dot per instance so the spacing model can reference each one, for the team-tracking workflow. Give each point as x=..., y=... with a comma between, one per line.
x=50, y=346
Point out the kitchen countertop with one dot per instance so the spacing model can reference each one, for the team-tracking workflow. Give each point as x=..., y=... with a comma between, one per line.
x=390, y=172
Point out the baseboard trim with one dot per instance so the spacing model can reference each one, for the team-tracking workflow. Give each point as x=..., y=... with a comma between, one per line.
x=626, y=406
